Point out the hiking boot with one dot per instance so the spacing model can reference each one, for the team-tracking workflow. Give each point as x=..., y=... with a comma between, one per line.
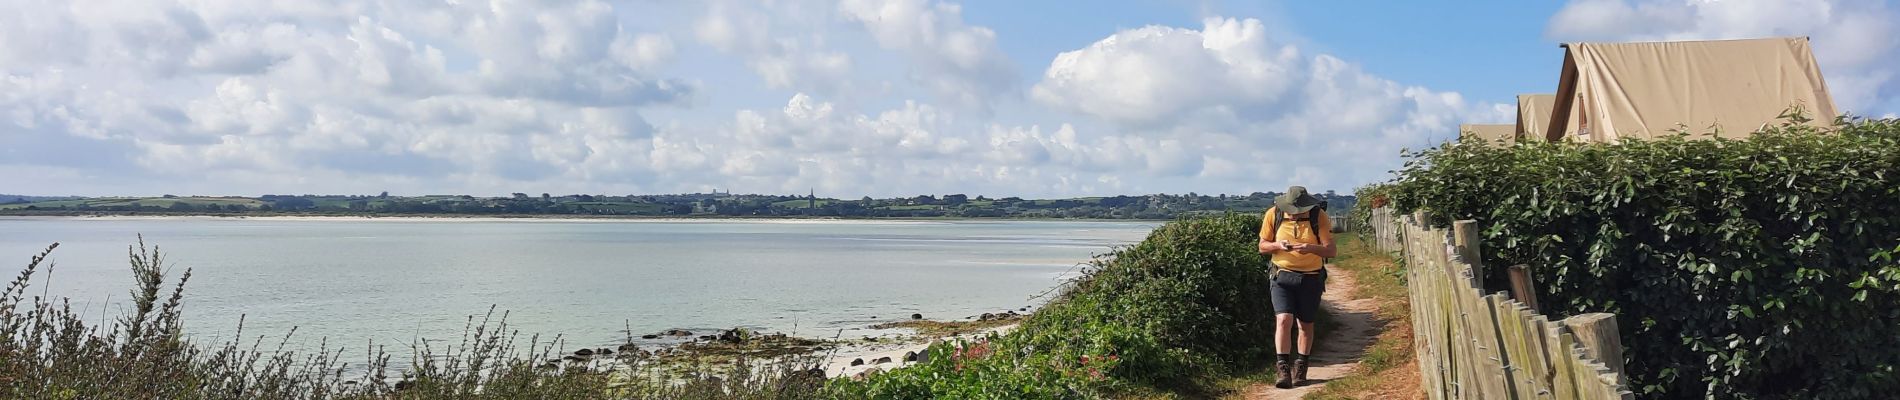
x=1285, y=373
x=1299, y=372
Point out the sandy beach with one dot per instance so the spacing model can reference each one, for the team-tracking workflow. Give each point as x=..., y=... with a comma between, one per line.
x=870, y=352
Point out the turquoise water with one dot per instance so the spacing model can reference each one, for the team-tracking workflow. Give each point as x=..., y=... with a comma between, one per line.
x=396, y=280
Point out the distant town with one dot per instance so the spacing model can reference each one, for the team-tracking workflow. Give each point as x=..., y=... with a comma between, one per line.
x=716, y=204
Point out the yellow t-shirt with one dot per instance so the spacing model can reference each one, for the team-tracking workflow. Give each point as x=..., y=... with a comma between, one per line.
x=1298, y=232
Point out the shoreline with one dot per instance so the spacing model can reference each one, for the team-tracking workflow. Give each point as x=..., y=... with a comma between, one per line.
x=539, y=218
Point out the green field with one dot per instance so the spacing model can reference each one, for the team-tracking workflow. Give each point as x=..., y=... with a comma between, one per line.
x=138, y=202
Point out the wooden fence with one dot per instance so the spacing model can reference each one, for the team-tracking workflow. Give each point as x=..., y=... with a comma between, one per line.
x=1476, y=346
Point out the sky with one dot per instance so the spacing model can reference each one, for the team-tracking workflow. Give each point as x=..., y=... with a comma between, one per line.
x=847, y=98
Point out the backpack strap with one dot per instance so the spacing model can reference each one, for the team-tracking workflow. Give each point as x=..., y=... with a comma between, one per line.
x=1278, y=217
x=1312, y=221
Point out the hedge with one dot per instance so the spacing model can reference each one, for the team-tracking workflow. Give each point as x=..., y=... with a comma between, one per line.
x=1748, y=268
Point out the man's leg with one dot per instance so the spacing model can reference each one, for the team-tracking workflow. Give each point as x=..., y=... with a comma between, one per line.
x=1309, y=294
x=1306, y=338
x=1283, y=337
x=1284, y=321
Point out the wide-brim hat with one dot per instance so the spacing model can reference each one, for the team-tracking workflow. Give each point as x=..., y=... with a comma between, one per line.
x=1295, y=201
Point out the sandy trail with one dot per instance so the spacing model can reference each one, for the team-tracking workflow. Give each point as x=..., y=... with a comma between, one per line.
x=1338, y=352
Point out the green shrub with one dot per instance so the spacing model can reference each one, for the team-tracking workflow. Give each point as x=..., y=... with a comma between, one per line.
x=1167, y=315
x=1752, y=268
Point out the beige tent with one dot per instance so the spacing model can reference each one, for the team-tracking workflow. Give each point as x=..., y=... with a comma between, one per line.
x=1489, y=132
x=1610, y=91
x=1533, y=114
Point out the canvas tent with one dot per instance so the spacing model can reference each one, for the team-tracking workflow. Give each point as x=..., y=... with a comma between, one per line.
x=1489, y=132
x=1533, y=114
x=1610, y=91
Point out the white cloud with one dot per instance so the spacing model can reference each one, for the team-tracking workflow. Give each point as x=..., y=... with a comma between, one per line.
x=499, y=96
x=1856, y=41
x=758, y=33
x=1226, y=103
x=960, y=63
x=1155, y=74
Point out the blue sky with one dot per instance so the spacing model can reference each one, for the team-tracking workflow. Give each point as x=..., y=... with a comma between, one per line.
x=848, y=97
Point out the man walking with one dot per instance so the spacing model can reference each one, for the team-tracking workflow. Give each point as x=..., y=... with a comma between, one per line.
x=1298, y=235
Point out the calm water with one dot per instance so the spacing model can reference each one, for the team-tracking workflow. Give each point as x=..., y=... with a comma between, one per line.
x=394, y=280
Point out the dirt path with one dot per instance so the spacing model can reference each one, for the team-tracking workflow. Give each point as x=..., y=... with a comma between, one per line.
x=1338, y=352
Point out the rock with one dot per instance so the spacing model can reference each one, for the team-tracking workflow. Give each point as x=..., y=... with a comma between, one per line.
x=882, y=360
x=574, y=359
x=708, y=337
x=734, y=335
x=677, y=332
x=923, y=357
x=986, y=317
x=649, y=336
x=604, y=351
x=816, y=374
x=404, y=384
x=629, y=348
x=910, y=356
x=857, y=361
x=1025, y=309
x=584, y=352
x=916, y=316
x=870, y=339
x=349, y=382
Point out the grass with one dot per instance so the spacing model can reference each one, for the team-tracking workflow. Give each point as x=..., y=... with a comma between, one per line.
x=50, y=351
x=1389, y=368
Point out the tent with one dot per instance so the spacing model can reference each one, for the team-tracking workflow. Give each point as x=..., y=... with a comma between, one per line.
x=1489, y=132
x=1610, y=91
x=1533, y=114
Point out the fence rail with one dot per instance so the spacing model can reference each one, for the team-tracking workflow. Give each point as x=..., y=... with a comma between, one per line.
x=1476, y=346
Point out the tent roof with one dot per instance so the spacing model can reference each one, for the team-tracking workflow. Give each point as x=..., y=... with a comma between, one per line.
x=1489, y=132
x=1610, y=91
x=1533, y=114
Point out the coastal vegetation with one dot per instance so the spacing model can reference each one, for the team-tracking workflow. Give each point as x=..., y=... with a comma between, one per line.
x=1171, y=316
x=1154, y=206
x=1761, y=267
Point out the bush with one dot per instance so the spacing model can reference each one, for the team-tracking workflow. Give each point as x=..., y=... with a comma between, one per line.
x=1752, y=268
x=1184, y=306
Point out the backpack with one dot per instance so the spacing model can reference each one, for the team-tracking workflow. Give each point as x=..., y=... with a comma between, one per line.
x=1312, y=218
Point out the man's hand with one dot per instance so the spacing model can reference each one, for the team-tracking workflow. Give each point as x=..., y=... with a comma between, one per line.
x=1299, y=247
x=1270, y=247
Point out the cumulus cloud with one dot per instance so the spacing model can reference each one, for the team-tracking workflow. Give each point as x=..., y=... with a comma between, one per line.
x=439, y=92
x=1254, y=110
x=1856, y=41
x=785, y=48
x=960, y=63
x=499, y=96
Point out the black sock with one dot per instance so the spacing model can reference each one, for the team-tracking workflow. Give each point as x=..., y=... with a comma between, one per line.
x=1285, y=357
x=1304, y=356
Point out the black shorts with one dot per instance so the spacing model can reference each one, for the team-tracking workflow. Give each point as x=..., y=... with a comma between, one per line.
x=1298, y=294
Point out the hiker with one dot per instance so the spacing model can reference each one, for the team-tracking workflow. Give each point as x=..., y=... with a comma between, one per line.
x=1298, y=234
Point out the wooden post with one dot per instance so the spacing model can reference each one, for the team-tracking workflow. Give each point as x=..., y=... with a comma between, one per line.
x=1596, y=332
x=1522, y=288
x=1466, y=234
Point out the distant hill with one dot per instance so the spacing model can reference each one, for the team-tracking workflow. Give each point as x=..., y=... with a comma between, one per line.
x=20, y=198
x=1149, y=206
